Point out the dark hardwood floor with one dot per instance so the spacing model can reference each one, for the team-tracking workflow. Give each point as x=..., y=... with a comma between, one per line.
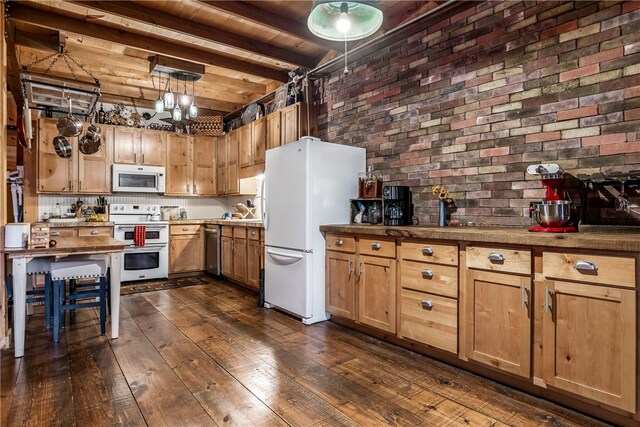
x=205, y=355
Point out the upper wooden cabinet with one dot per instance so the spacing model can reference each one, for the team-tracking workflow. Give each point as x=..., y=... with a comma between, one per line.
x=191, y=165
x=273, y=130
x=228, y=167
x=79, y=174
x=139, y=146
x=294, y=123
x=252, y=147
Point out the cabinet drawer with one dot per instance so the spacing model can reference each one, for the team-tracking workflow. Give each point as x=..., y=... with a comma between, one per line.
x=95, y=231
x=337, y=242
x=240, y=232
x=437, y=279
x=378, y=247
x=599, y=269
x=176, y=230
x=430, y=252
x=63, y=232
x=499, y=259
x=253, y=233
x=429, y=319
x=227, y=231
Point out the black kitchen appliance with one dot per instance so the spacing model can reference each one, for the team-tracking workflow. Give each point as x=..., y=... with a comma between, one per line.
x=398, y=206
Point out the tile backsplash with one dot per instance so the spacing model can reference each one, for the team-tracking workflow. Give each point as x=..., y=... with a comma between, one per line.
x=197, y=207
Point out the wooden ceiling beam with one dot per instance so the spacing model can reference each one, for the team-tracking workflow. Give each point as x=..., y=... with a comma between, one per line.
x=164, y=20
x=49, y=43
x=120, y=65
x=42, y=18
x=250, y=12
x=13, y=66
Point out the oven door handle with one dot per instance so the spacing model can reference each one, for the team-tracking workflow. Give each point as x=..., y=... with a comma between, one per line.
x=147, y=227
x=149, y=246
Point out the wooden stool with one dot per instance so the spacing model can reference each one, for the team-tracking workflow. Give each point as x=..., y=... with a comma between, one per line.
x=72, y=268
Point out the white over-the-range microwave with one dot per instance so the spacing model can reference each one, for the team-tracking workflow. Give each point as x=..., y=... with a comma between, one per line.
x=138, y=179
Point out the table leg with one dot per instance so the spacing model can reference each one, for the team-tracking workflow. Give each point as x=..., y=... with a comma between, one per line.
x=29, y=287
x=115, y=293
x=19, y=303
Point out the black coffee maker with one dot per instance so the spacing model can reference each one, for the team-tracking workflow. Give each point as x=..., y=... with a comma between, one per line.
x=398, y=209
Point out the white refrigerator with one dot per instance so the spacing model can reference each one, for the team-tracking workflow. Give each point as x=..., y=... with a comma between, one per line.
x=307, y=183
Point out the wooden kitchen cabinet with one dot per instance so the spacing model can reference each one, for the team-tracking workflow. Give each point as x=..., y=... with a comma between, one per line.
x=139, y=146
x=228, y=168
x=254, y=251
x=227, y=256
x=179, y=179
x=291, y=123
x=186, y=248
x=377, y=292
x=341, y=284
x=252, y=143
x=90, y=174
x=242, y=255
x=589, y=330
x=274, y=135
x=204, y=166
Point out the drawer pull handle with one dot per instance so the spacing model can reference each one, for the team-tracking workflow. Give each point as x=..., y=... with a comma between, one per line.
x=523, y=295
x=375, y=246
x=586, y=266
x=350, y=268
x=546, y=299
x=339, y=242
x=185, y=228
x=494, y=256
x=427, y=274
x=55, y=233
x=94, y=232
x=427, y=250
x=426, y=304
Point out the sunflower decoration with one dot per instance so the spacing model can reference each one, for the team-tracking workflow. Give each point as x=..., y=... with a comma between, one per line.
x=442, y=193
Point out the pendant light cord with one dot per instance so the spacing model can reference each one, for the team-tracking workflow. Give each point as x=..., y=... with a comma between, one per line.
x=346, y=70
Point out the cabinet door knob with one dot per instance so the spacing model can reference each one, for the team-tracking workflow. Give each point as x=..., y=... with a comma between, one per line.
x=426, y=304
x=339, y=242
x=585, y=266
x=494, y=256
x=94, y=232
x=55, y=233
x=427, y=250
x=427, y=274
x=375, y=246
x=185, y=228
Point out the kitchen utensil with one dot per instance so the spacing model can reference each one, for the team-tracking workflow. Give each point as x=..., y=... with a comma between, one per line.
x=554, y=213
x=91, y=141
x=62, y=147
x=622, y=201
x=69, y=126
x=183, y=214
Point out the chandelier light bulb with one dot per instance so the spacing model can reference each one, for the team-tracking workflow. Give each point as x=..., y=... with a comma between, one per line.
x=169, y=100
x=193, y=111
x=343, y=24
x=177, y=114
x=184, y=98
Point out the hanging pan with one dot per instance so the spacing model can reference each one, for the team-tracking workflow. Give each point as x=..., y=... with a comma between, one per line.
x=91, y=141
x=69, y=126
x=62, y=146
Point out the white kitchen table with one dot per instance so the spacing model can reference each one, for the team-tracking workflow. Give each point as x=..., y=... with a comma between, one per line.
x=65, y=246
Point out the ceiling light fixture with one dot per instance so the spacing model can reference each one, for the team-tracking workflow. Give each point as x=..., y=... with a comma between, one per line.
x=350, y=20
x=193, y=110
x=159, y=101
x=169, y=101
x=184, y=98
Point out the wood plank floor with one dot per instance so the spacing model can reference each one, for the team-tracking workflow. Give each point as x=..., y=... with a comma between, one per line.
x=205, y=355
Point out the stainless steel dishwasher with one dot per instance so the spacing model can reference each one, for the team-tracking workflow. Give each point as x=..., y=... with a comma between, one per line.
x=212, y=265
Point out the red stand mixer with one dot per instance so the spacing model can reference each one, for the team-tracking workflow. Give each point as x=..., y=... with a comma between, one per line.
x=553, y=214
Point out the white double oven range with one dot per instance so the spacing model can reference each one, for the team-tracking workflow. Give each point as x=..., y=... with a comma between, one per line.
x=150, y=261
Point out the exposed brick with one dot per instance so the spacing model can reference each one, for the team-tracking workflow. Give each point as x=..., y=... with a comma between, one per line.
x=560, y=29
x=581, y=32
x=579, y=72
x=558, y=106
x=632, y=114
x=623, y=148
x=578, y=112
x=602, y=56
x=538, y=137
x=614, y=138
x=577, y=133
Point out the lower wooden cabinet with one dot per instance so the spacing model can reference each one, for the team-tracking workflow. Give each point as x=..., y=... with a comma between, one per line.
x=186, y=249
x=430, y=319
x=341, y=287
x=242, y=255
x=498, y=332
x=589, y=346
x=377, y=292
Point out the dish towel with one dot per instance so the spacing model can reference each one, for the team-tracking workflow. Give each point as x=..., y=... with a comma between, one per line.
x=139, y=232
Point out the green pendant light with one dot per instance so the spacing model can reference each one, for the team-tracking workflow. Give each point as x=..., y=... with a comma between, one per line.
x=344, y=21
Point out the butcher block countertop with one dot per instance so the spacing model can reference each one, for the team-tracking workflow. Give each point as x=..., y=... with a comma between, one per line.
x=71, y=245
x=628, y=240
x=74, y=224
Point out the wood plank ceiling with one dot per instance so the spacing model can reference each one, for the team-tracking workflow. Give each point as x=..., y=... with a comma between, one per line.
x=247, y=47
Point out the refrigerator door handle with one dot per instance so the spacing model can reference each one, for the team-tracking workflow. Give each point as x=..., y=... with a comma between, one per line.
x=265, y=221
x=284, y=255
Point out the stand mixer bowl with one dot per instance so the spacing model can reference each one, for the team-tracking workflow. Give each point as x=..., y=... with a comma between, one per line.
x=554, y=213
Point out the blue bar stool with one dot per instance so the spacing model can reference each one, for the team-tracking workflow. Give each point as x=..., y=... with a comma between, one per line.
x=72, y=268
x=36, y=267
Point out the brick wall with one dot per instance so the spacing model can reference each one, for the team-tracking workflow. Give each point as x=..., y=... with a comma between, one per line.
x=471, y=101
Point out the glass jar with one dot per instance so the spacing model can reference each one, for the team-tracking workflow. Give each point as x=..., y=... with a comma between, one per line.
x=375, y=214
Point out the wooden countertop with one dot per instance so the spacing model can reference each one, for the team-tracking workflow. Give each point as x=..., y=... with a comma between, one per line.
x=73, y=245
x=236, y=223
x=74, y=224
x=626, y=241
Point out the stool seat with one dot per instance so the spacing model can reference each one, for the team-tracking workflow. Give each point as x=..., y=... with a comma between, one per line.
x=79, y=267
x=39, y=266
